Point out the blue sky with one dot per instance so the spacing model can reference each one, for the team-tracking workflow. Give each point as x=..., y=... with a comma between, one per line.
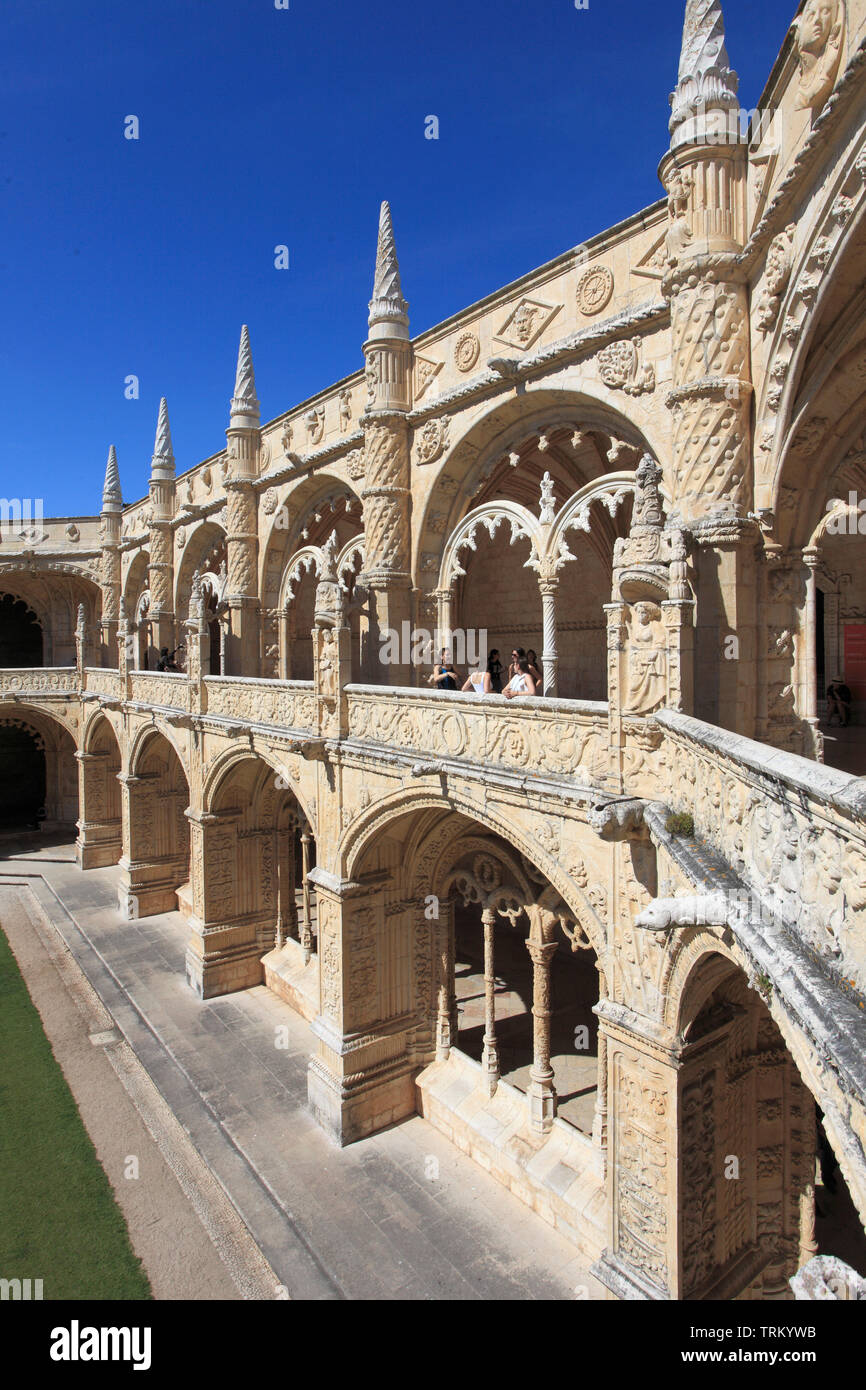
x=261, y=127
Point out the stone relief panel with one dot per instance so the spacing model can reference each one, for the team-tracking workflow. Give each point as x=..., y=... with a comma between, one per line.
x=542, y=740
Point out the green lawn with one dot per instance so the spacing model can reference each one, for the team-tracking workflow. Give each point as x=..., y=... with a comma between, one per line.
x=59, y=1221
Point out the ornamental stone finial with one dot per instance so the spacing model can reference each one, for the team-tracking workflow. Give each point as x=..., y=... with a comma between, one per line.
x=112, y=498
x=245, y=405
x=329, y=557
x=389, y=312
x=706, y=92
x=162, y=463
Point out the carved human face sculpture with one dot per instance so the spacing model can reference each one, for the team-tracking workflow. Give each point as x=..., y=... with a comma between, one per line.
x=644, y=613
x=817, y=24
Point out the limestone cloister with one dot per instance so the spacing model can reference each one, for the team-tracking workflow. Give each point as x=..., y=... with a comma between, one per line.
x=644, y=460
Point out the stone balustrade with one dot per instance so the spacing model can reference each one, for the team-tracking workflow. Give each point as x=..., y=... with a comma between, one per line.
x=558, y=738
x=283, y=704
x=99, y=681
x=166, y=689
x=41, y=680
x=794, y=831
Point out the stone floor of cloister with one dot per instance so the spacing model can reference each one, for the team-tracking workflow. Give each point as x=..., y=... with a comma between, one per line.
x=401, y=1215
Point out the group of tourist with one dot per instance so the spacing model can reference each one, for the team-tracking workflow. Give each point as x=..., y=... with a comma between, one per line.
x=524, y=676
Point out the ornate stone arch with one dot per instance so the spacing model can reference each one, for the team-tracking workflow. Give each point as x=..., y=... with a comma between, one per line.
x=138, y=746
x=524, y=526
x=375, y=819
x=790, y=413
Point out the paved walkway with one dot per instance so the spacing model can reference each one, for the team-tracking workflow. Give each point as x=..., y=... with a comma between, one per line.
x=402, y=1215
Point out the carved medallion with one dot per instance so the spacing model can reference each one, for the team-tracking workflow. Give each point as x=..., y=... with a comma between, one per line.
x=466, y=350
x=594, y=289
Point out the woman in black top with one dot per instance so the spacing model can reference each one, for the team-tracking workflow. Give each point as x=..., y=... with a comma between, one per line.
x=444, y=675
x=494, y=667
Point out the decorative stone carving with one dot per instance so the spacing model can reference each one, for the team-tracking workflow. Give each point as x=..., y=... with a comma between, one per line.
x=315, y=422
x=620, y=368
x=777, y=275
x=466, y=351
x=828, y=1279
x=345, y=410
x=355, y=465
x=425, y=373
x=647, y=671
x=432, y=439
x=819, y=34
x=526, y=323
x=594, y=290
x=270, y=500
x=679, y=234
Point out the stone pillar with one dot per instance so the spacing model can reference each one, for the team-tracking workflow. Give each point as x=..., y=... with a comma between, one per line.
x=550, y=654
x=361, y=1076
x=445, y=1000
x=542, y=1092
x=287, y=637
x=307, y=921
x=489, y=1054
x=110, y=578
x=386, y=493
x=242, y=537
x=711, y=485
x=726, y=563
x=642, y=1260
x=227, y=944
x=242, y=638
x=150, y=867
x=808, y=701
x=444, y=619
x=287, y=911
x=100, y=834
x=163, y=489
x=386, y=576
x=617, y=684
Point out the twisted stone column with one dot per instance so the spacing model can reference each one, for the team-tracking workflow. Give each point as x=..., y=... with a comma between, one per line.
x=386, y=497
x=242, y=544
x=550, y=654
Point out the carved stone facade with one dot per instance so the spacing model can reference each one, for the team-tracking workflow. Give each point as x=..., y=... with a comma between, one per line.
x=568, y=466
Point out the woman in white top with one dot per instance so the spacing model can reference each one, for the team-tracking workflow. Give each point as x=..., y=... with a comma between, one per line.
x=479, y=682
x=521, y=682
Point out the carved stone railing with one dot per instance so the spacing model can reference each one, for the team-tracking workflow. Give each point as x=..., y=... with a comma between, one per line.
x=166, y=689
x=792, y=829
x=39, y=680
x=536, y=737
x=285, y=704
x=99, y=681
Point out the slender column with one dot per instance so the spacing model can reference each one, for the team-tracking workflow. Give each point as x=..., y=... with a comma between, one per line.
x=599, y=1119
x=489, y=1055
x=542, y=1093
x=287, y=633
x=445, y=617
x=550, y=654
x=809, y=678
x=289, y=907
x=445, y=997
x=307, y=928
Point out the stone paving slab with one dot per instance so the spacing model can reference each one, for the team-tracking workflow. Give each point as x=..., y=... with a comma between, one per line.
x=400, y=1215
